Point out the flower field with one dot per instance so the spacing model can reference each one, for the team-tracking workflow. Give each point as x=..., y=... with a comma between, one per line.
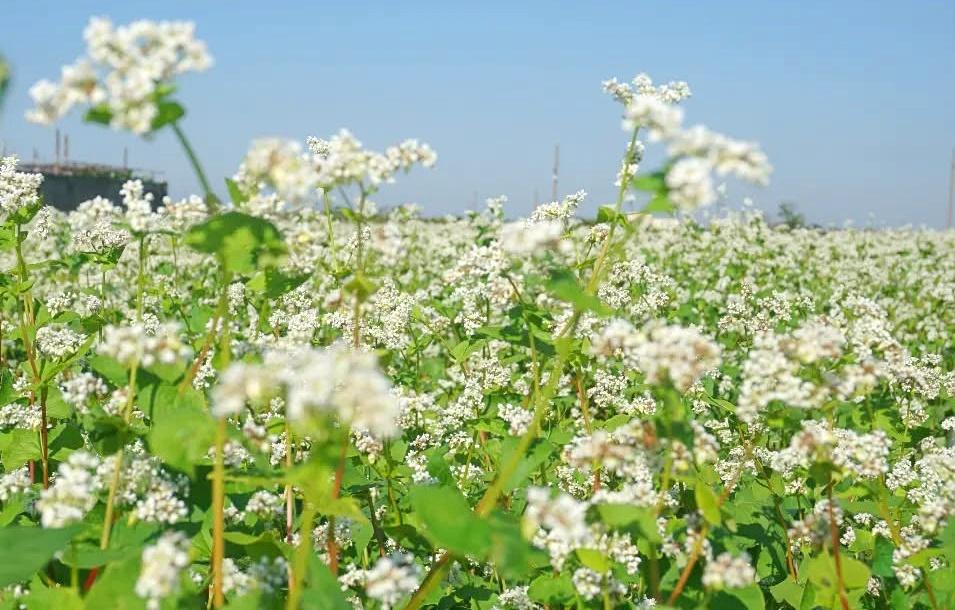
x=273, y=394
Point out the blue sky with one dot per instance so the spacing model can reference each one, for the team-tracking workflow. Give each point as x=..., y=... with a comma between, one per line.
x=854, y=102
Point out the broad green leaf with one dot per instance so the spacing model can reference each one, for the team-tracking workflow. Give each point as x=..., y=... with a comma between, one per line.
x=23, y=446
x=638, y=521
x=243, y=243
x=181, y=436
x=447, y=520
x=27, y=549
x=563, y=285
x=552, y=589
x=115, y=587
x=322, y=591
x=708, y=502
x=54, y=598
x=594, y=559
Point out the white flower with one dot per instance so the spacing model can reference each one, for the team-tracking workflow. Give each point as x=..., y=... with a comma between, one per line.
x=689, y=183
x=729, y=572
x=73, y=493
x=58, y=341
x=524, y=238
x=391, y=578
x=17, y=189
x=163, y=562
x=125, y=69
x=661, y=119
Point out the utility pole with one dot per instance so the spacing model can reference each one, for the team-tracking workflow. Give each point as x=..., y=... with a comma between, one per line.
x=951, y=191
x=553, y=192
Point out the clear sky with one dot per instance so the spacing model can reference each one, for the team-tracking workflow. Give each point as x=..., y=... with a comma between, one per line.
x=854, y=101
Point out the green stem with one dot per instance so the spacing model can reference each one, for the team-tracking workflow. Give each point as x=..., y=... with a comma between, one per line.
x=218, y=516
x=196, y=165
x=302, y=554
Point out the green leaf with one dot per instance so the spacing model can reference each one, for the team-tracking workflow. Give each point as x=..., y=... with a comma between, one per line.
x=168, y=112
x=181, y=435
x=550, y=589
x=54, y=598
x=708, y=502
x=115, y=588
x=274, y=283
x=594, y=559
x=660, y=204
x=24, y=445
x=652, y=183
x=235, y=193
x=788, y=591
x=563, y=285
x=638, y=521
x=322, y=591
x=448, y=522
x=855, y=574
x=745, y=598
x=243, y=243
x=100, y=115
x=27, y=549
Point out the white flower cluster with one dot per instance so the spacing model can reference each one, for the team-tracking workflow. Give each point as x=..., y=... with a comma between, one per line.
x=341, y=160
x=664, y=352
x=17, y=189
x=163, y=563
x=14, y=482
x=127, y=69
x=278, y=164
x=315, y=381
x=73, y=493
x=58, y=342
x=391, y=578
x=726, y=571
x=698, y=152
x=133, y=344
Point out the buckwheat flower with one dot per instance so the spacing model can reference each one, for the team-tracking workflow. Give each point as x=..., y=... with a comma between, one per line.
x=588, y=583
x=163, y=563
x=675, y=353
x=93, y=212
x=43, y=223
x=518, y=418
x=745, y=160
x=342, y=161
x=127, y=69
x=73, y=493
x=240, y=384
x=24, y=416
x=265, y=505
x=524, y=238
x=17, y=189
x=280, y=165
x=563, y=516
x=14, y=483
x=515, y=598
x=317, y=146
x=58, y=342
x=139, y=207
x=182, y=214
x=346, y=383
x=726, y=571
x=101, y=238
x=661, y=120
x=558, y=210
x=391, y=579
x=689, y=183
x=134, y=343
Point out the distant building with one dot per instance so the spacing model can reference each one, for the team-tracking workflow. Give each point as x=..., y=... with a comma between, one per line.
x=66, y=185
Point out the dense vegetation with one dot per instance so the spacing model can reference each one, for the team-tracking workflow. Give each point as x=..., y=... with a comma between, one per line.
x=285, y=398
